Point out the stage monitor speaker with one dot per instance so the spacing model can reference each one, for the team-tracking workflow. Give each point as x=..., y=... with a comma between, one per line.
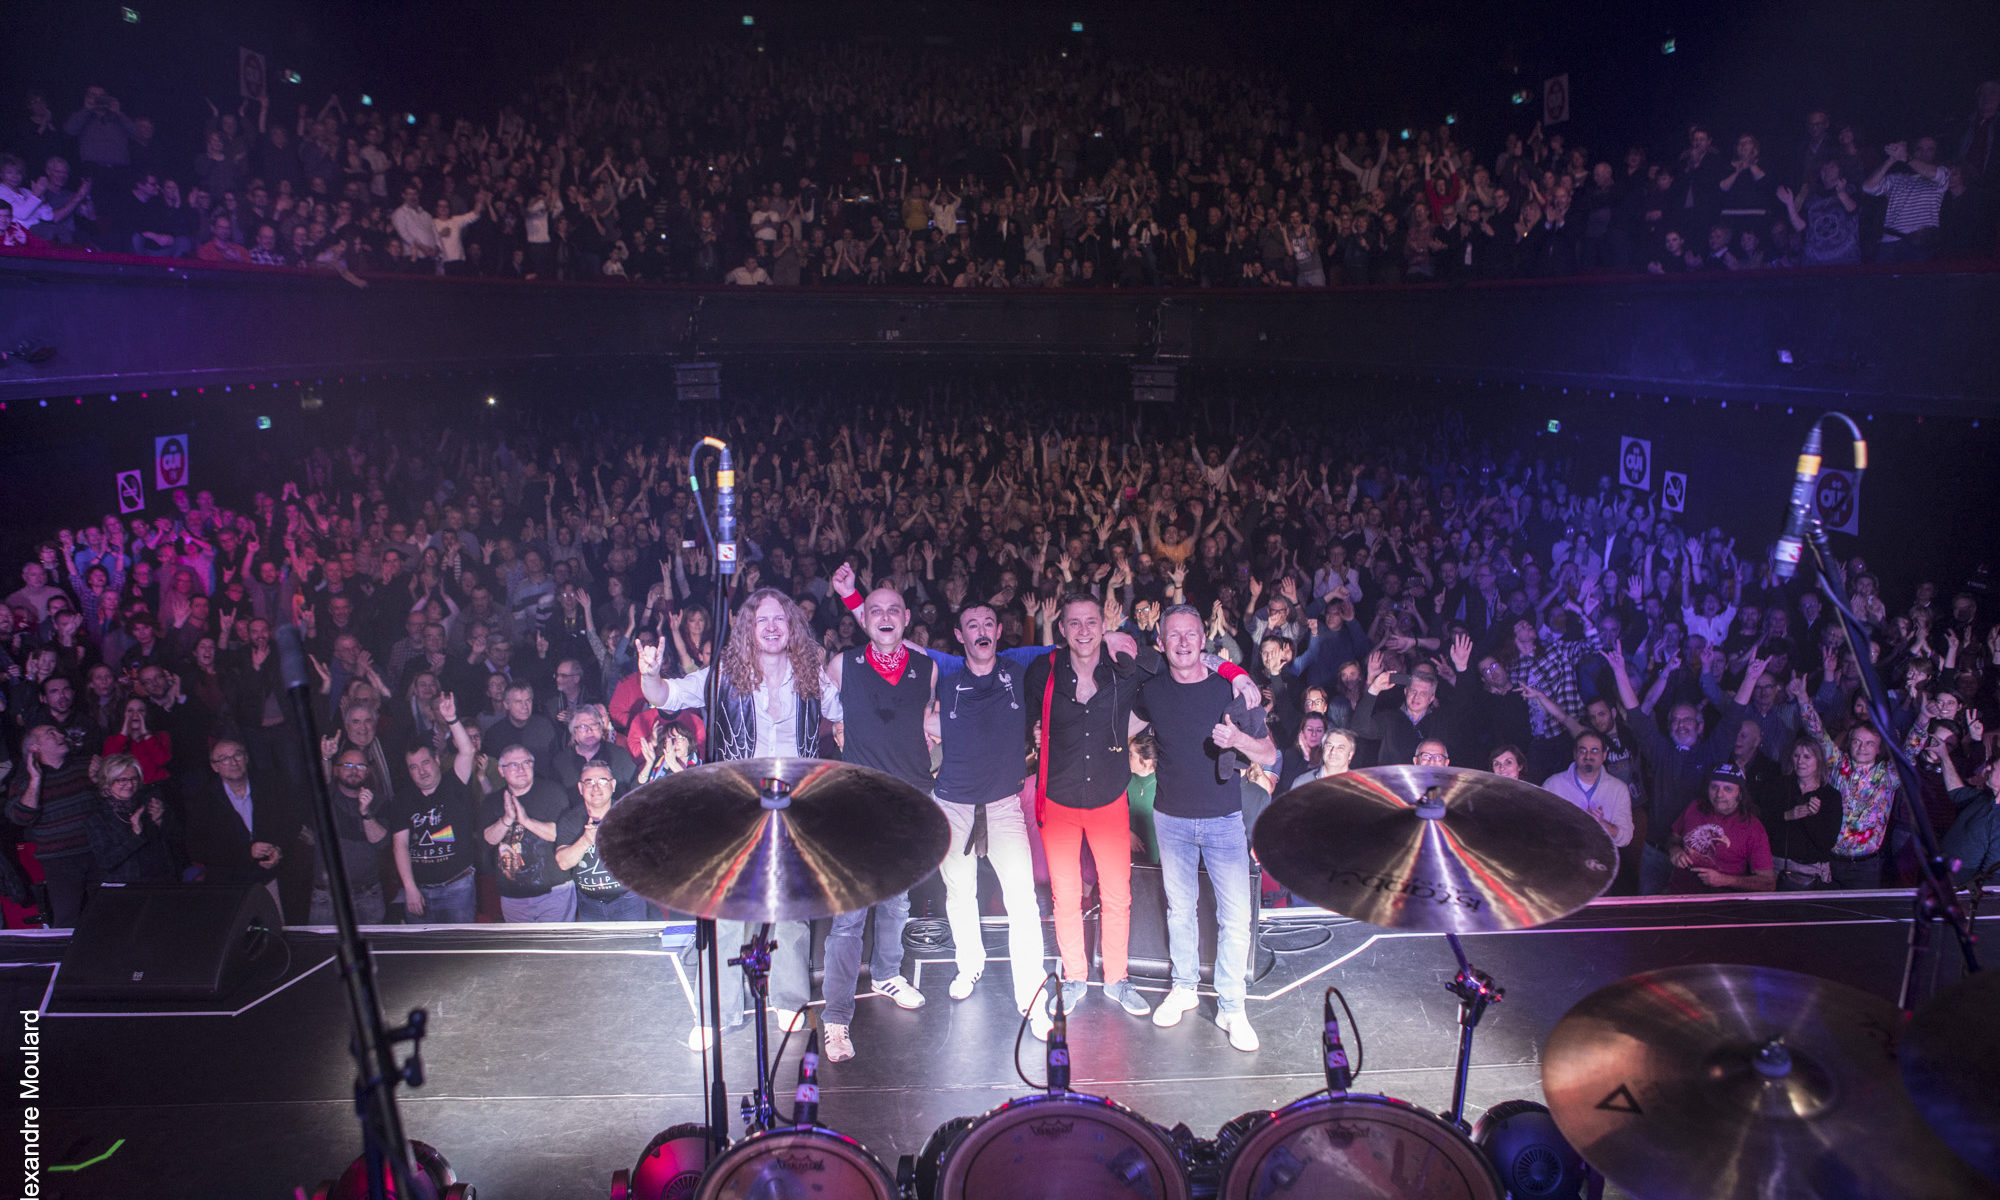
x=696, y=383
x=1147, y=954
x=170, y=941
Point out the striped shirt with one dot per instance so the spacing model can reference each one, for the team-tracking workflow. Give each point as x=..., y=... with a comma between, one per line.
x=1914, y=202
x=60, y=826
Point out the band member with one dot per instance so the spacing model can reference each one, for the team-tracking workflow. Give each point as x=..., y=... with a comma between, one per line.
x=773, y=696
x=885, y=690
x=1207, y=736
x=980, y=721
x=1081, y=698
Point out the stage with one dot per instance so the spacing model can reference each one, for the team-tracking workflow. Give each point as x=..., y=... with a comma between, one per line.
x=556, y=1053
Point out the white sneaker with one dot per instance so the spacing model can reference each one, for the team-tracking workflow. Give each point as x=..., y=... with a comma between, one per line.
x=962, y=985
x=788, y=1020
x=1178, y=1003
x=1237, y=1026
x=899, y=989
x=699, y=1040
x=837, y=1046
x=1040, y=1023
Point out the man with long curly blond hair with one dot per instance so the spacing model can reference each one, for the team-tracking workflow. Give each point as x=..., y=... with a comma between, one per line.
x=773, y=697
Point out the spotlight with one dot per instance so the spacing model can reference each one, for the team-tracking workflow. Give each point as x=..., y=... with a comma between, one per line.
x=409, y=118
x=293, y=77
x=131, y=15
x=749, y=20
x=492, y=401
x=1668, y=46
x=431, y=1169
x=1555, y=426
x=1451, y=118
x=1406, y=135
x=1519, y=97
x=1785, y=358
x=1076, y=26
x=367, y=101
x=263, y=422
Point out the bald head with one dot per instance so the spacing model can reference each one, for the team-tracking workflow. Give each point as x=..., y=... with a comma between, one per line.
x=885, y=617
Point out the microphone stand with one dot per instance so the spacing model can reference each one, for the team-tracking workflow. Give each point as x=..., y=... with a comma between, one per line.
x=373, y=1045
x=716, y=1102
x=1935, y=899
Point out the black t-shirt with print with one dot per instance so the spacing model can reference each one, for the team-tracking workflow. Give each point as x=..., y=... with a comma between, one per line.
x=592, y=879
x=525, y=864
x=444, y=827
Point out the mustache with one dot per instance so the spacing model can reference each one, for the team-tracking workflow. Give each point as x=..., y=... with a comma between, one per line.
x=982, y=641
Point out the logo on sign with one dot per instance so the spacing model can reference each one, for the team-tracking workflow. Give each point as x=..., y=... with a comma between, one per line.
x=1635, y=463
x=170, y=462
x=1836, y=500
x=1674, y=494
x=130, y=496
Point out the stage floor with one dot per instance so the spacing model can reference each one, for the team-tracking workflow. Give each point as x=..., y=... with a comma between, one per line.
x=557, y=1053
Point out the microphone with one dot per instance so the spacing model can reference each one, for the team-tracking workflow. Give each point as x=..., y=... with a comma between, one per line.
x=1058, y=1046
x=1799, y=513
x=725, y=508
x=805, y=1102
x=1338, y=1076
x=292, y=659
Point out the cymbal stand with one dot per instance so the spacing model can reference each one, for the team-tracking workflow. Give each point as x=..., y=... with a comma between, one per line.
x=760, y=1110
x=1476, y=991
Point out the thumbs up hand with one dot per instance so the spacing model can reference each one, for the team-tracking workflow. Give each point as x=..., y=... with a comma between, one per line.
x=1225, y=735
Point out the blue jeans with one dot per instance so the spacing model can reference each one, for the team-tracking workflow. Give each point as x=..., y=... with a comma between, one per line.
x=556, y=904
x=1186, y=843
x=843, y=954
x=454, y=903
x=629, y=907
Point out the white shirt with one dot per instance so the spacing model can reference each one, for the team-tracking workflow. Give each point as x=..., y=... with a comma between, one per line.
x=1608, y=800
x=29, y=209
x=451, y=245
x=418, y=230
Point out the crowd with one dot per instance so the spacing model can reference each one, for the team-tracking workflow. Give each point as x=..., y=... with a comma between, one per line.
x=879, y=165
x=478, y=615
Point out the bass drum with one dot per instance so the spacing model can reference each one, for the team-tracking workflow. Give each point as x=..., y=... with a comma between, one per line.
x=1060, y=1146
x=1352, y=1147
x=797, y=1163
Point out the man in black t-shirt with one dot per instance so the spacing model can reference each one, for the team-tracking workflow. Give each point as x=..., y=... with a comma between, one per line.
x=599, y=895
x=521, y=829
x=1207, y=736
x=432, y=824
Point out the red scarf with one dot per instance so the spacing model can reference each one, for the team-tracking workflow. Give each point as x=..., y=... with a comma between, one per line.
x=890, y=668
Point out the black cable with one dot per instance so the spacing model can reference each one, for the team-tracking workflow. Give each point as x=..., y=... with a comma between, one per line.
x=1360, y=1051
x=1023, y=1030
x=927, y=935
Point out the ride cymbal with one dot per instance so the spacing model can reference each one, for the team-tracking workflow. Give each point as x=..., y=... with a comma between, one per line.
x=1435, y=848
x=1724, y=1082
x=773, y=839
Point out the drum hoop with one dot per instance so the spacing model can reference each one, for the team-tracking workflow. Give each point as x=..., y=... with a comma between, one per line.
x=1174, y=1180
x=765, y=1141
x=1257, y=1140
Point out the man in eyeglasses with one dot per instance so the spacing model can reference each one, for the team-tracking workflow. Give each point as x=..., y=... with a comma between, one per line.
x=600, y=897
x=522, y=831
x=361, y=829
x=244, y=828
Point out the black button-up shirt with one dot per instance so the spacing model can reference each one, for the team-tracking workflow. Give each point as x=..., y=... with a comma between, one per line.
x=1088, y=767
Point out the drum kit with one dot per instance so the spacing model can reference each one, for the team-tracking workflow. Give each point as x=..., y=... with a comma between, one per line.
x=1700, y=1081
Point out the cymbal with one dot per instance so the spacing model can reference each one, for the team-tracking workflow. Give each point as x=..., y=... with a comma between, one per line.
x=1951, y=1065
x=1494, y=853
x=705, y=842
x=1716, y=1082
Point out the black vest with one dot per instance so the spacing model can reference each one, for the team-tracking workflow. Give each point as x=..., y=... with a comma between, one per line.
x=735, y=725
x=885, y=725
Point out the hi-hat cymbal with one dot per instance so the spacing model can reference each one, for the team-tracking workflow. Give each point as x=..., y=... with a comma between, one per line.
x=1712, y=1082
x=1951, y=1066
x=1436, y=848
x=710, y=842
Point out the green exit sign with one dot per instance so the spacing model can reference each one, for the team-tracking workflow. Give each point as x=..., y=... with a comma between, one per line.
x=1555, y=427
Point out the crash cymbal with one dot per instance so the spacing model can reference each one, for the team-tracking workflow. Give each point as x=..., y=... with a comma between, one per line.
x=773, y=839
x=1713, y=1082
x=1951, y=1067
x=1435, y=848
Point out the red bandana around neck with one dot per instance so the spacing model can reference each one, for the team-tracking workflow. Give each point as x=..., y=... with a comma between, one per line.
x=889, y=666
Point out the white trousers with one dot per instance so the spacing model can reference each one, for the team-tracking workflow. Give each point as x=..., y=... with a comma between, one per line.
x=1007, y=850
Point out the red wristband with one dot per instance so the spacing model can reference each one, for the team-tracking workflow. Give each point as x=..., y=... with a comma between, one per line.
x=853, y=601
x=1230, y=671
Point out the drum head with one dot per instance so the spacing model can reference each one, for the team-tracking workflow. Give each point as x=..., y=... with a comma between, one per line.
x=1062, y=1147
x=797, y=1164
x=1357, y=1148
